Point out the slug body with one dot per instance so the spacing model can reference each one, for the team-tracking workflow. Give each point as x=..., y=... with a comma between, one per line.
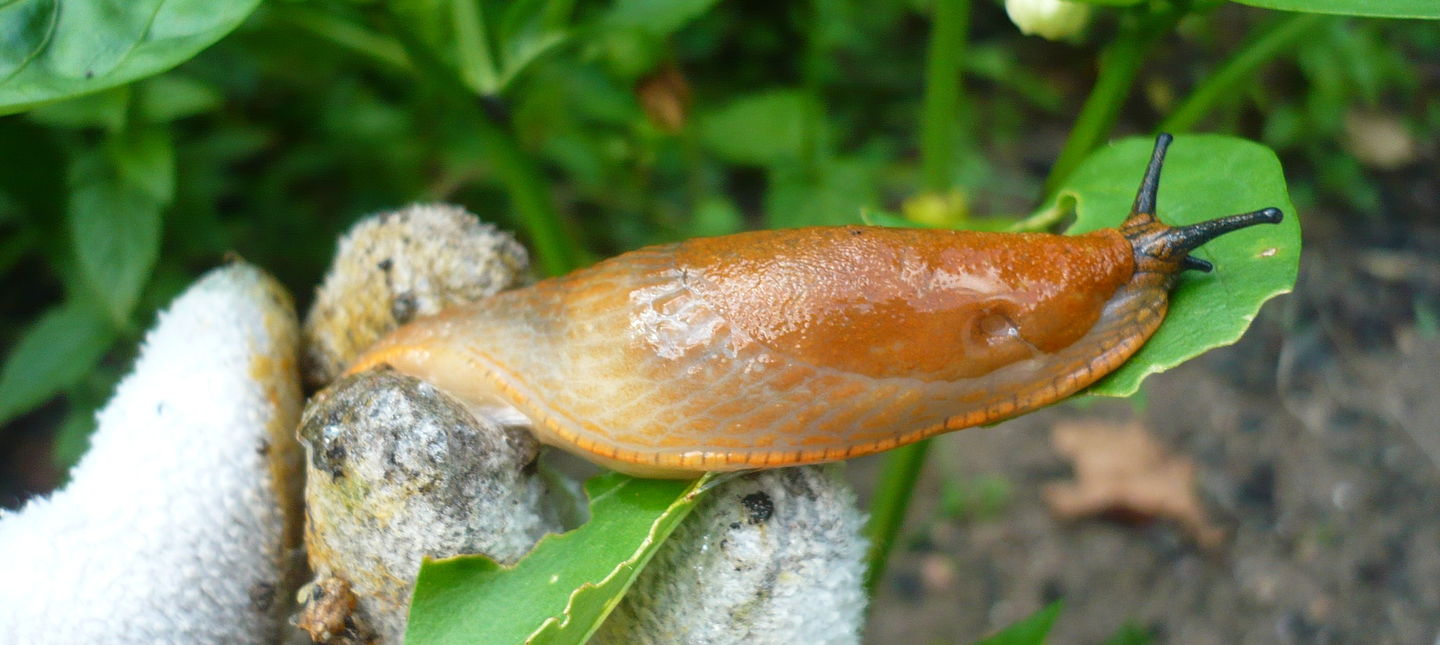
x=780, y=348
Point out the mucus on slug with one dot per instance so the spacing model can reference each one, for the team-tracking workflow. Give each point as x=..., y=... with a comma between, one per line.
x=649, y=362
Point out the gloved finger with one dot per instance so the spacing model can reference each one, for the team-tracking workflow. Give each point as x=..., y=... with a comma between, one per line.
x=397, y=471
x=396, y=266
x=179, y=524
x=773, y=556
x=811, y=499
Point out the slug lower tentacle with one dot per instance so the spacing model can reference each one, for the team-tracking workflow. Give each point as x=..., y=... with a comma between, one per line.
x=779, y=348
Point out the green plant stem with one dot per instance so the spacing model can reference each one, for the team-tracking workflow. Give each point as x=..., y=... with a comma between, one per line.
x=887, y=509
x=556, y=251
x=940, y=116
x=814, y=139
x=1044, y=219
x=530, y=196
x=938, y=124
x=339, y=31
x=1119, y=64
x=1274, y=39
x=472, y=47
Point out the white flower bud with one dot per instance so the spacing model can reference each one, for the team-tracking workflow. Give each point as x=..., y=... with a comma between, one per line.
x=1049, y=19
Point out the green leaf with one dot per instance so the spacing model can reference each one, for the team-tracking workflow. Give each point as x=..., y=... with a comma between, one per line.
x=660, y=17
x=1205, y=176
x=72, y=436
x=628, y=53
x=840, y=194
x=145, y=159
x=92, y=38
x=83, y=400
x=58, y=350
x=998, y=64
x=472, y=47
x=47, y=54
x=758, y=129
x=565, y=587
x=1373, y=8
x=876, y=217
x=528, y=30
x=525, y=19
x=25, y=29
x=715, y=216
x=171, y=96
x=1027, y=631
x=488, y=45
x=115, y=229
x=105, y=110
x=1129, y=634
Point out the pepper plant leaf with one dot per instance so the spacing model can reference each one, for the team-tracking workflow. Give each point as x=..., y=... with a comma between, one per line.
x=56, y=351
x=562, y=590
x=1372, y=8
x=47, y=53
x=1205, y=176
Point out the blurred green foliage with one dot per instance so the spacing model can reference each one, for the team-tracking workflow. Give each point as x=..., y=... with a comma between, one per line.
x=1027, y=631
x=976, y=498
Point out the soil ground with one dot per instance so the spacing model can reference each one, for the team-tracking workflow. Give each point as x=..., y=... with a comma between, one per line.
x=1317, y=442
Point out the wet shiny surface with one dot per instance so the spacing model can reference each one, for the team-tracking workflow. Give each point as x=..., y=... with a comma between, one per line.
x=777, y=348
x=924, y=304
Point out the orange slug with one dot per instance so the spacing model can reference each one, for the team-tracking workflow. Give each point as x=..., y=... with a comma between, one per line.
x=781, y=348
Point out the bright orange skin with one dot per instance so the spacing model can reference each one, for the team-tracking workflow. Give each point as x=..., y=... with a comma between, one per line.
x=887, y=302
x=779, y=348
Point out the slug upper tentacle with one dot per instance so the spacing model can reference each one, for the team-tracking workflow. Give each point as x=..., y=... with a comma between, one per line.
x=779, y=348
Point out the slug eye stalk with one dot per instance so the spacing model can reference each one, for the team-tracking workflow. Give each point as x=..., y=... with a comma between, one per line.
x=1150, y=184
x=1154, y=241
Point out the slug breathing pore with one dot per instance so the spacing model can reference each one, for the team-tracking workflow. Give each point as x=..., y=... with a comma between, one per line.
x=782, y=348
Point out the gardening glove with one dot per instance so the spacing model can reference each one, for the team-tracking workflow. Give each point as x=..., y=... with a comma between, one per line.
x=398, y=470
x=181, y=522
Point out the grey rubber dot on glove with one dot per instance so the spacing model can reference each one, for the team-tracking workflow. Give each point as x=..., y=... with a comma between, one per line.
x=399, y=471
x=393, y=267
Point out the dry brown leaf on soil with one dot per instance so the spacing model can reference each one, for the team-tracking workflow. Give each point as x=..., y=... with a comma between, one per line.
x=665, y=97
x=1122, y=470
